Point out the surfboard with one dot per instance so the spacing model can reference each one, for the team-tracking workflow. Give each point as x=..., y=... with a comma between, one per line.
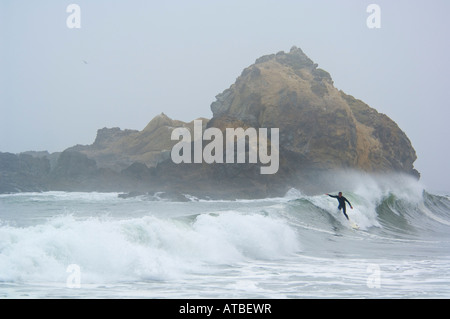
x=354, y=226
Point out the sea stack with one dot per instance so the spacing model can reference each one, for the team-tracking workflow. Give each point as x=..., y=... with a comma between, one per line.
x=321, y=127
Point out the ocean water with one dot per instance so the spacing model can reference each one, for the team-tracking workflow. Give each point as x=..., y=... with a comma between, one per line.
x=97, y=245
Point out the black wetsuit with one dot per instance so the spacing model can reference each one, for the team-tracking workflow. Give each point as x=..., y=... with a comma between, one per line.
x=342, y=201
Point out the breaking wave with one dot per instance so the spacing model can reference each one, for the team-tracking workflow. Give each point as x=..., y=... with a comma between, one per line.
x=116, y=240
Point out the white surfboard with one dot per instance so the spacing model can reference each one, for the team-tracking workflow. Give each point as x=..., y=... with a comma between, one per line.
x=354, y=226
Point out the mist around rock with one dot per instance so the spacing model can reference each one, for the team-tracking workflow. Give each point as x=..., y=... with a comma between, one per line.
x=324, y=134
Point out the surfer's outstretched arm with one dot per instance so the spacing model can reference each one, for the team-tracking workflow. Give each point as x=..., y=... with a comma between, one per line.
x=348, y=203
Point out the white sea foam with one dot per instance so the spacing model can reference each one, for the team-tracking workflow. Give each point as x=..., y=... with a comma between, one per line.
x=139, y=248
x=293, y=246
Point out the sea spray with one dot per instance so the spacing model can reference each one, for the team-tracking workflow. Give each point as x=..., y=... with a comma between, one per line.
x=286, y=247
x=139, y=248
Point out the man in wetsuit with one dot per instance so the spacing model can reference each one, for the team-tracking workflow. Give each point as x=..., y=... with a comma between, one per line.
x=342, y=201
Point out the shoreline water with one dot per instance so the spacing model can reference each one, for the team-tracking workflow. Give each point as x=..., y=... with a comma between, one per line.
x=295, y=246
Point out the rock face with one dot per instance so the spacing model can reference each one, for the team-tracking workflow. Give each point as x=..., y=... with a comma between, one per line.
x=117, y=149
x=23, y=173
x=321, y=126
x=321, y=130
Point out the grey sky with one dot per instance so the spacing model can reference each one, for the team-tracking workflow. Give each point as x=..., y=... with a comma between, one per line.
x=147, y=57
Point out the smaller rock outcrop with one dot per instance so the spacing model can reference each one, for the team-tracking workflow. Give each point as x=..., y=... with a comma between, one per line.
x=23, y=173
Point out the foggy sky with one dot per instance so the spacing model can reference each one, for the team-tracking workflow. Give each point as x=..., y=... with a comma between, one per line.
x=132, y=60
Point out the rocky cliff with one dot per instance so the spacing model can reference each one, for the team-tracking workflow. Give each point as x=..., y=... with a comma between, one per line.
x=322, y=126
x=117, y=149
x=321, y=130
x=23, y=173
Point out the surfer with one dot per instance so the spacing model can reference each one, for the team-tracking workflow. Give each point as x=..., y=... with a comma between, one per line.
x=342, y=201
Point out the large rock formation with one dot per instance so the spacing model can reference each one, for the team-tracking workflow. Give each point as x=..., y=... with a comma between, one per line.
x=322, y=130
x=322, y=126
